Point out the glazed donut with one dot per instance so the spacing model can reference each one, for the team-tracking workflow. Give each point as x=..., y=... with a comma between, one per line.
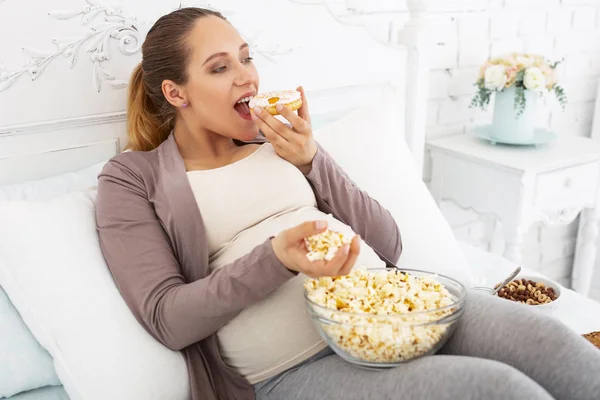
x=289, y=98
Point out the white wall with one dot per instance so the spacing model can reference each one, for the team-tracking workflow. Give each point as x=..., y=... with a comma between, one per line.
x=463, y=40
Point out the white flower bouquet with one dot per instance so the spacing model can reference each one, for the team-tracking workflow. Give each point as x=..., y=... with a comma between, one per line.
x=521, y=70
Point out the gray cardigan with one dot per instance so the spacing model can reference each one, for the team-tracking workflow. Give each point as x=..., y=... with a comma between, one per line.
x=153, y=239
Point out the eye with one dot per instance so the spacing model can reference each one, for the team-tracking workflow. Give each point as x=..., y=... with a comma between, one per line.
x=248, y=59
x=219, y=69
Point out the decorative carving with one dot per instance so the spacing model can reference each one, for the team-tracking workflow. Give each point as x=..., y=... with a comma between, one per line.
x=248, y=30
x=268, y=54
x=116, y=25
x=457, y=204
x=108, y=23
x=358, y=7
x=364, y=13
x=560, y=216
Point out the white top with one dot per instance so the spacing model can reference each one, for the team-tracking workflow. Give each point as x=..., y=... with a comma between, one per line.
x=243, y=204
x=564, y=151
x=231, y=199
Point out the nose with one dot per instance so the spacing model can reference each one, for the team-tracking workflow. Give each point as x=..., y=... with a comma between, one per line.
x=244, y=76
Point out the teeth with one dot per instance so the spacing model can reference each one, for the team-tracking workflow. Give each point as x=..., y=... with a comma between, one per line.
x=245, y=99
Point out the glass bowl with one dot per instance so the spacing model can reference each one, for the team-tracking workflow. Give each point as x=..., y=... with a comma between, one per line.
x=386, y=341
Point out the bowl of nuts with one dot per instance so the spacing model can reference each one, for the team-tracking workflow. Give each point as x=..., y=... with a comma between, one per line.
x=381, y=318
x=537, y=291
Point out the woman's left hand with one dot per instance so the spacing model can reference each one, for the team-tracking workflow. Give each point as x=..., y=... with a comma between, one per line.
x=295, y=145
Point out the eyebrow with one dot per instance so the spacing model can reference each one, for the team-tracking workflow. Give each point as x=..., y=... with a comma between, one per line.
x=243, y=46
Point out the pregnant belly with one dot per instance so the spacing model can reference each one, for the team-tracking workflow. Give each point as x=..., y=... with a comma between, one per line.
x=245, y=241
x=275, y=333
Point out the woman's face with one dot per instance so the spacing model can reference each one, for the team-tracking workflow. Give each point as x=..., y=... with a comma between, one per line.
x=220, y=74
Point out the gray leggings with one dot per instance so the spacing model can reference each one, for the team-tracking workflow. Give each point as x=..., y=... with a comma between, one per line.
x=500, y=350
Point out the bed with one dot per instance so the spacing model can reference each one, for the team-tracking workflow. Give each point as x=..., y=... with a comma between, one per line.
x=62, y=111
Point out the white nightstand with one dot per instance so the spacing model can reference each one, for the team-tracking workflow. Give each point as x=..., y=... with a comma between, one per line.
x=520, y=186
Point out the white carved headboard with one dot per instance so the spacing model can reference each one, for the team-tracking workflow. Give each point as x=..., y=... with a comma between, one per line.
x=65, y=64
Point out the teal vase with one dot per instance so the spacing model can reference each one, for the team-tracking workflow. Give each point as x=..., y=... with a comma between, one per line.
x=509, y=127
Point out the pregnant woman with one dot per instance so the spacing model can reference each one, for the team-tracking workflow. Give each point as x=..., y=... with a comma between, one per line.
x=202, y=227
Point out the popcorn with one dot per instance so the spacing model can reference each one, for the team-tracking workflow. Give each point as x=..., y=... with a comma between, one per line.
x=323, y=246
x=368, y=297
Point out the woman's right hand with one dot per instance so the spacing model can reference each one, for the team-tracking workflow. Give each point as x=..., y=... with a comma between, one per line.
x=290, y=249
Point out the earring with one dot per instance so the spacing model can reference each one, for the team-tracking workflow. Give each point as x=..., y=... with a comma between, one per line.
x=184, y=105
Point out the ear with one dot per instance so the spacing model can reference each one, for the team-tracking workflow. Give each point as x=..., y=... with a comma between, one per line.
x=174, y=93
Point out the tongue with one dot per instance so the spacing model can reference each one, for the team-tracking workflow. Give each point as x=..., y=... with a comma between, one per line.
x=242, y=108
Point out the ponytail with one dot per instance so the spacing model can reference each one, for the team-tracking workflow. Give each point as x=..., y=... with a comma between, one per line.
x=166, y=55
x=145, y=129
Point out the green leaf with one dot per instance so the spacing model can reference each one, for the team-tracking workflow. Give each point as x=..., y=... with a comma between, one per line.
x=559, y=92
x=555, y=63
x=520, y=101
x=481, y=98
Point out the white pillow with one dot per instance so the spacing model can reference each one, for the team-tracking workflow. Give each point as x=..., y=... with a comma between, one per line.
x=48, y=188
x=26, y=364
x=53, y=270
x=369, y=146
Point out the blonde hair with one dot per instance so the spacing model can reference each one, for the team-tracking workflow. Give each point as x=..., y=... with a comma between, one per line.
x=165, y=55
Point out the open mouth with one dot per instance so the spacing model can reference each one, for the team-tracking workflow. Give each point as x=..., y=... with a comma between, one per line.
x=242, y=107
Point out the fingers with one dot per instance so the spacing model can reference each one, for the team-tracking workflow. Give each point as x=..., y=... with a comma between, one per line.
x=312, y=269
x=304, y=230
x=303, y=110
x=275, y=138
x=352, y=256
x=343, y=261
x=266, y=120
x=341, y=264
x=299, y=124
x=334, y=266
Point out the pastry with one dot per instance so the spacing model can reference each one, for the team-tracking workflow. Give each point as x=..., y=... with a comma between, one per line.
x=268, y=101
